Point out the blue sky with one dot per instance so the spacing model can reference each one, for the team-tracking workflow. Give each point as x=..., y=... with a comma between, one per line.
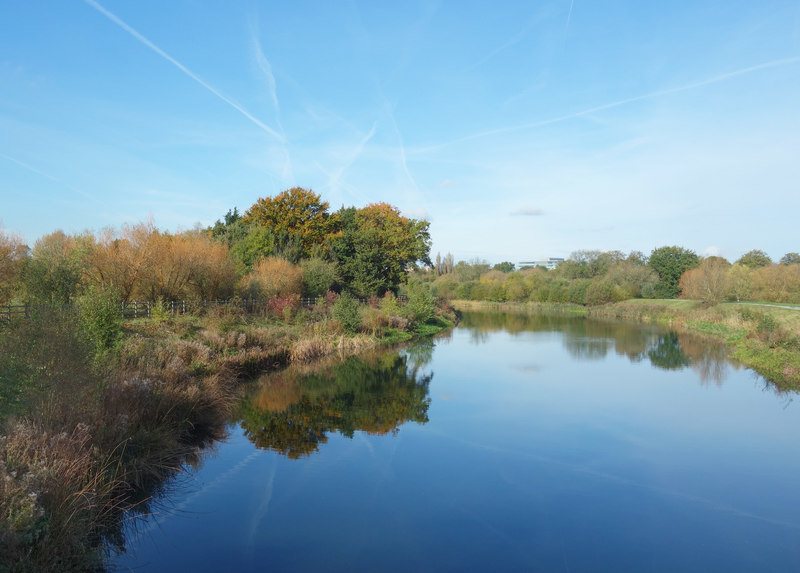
x=520, y=130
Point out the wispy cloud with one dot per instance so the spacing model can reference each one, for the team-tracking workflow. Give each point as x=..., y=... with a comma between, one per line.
x=265, y=68
x=652, y=95
x=446, y=183
x=508, y=43
x=335, y=177
x=234, y=104
x=402, y=151
x=43, y=174
x=28, y=167
x=528, y=212
x=569, y=15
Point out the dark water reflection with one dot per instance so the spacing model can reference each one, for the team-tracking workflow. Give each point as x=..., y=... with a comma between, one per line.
x=517, y=443
x=293, y=412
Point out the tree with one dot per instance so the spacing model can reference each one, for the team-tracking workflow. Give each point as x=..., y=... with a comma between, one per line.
x=298, y=215
x=633, y=278
x=755, y=259
x=319, y=276
x=13, y=253
x=53, y=272
x=740, y=282
x=376, y=247
x=790, y=259
x=708, y=282
x=121, y=260
x=505, y=267
x=589, y=264
x=670, y=263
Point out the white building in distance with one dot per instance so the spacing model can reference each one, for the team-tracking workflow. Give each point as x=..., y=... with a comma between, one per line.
x=549, y=264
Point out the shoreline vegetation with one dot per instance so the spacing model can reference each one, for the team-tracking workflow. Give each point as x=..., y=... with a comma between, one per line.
x=91, y=439
x=762, y=336
x=96, y=412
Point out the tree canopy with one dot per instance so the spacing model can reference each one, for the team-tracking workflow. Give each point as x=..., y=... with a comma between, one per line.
x=297, y=217
x=670, y=263
x=755, y=259
x=376, y=246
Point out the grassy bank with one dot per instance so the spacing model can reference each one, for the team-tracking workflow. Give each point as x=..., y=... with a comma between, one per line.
x=89, y=436
x=764, y=337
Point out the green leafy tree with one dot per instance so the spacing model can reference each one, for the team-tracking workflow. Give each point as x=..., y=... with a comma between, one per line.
x=421, y=303
x=319, y=276
x=670, y=263
x=755, y=259
x=376, y=247
x=347, y=312
x=589, y=264
x=790, y=259
x=53, y=272
x=100, y=317
x=470, y=270
x=505, y=267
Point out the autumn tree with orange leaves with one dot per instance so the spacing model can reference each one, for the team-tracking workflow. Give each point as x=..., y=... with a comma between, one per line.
x=299, y=220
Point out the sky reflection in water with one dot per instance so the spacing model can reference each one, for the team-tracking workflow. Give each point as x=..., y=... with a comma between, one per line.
x=516, y=443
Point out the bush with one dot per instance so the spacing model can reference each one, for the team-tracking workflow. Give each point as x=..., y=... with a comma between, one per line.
x=389, y=305
x=346, y=311
x=599, y=292
x=273, y=277
x=421, y=304
x=319, y=276
x=100, y=317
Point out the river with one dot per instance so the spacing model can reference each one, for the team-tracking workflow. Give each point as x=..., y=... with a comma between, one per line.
x=514, y=443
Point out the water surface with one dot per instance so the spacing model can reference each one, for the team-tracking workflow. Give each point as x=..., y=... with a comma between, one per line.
x=516, y=443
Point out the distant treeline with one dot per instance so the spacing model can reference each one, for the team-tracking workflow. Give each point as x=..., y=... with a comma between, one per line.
x=599, y=277
x=287, y=245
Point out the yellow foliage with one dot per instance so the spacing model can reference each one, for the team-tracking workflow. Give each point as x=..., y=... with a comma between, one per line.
x=147, y=264
x=273, y=277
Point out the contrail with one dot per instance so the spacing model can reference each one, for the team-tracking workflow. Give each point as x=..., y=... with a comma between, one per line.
x=569, y=15
x=402, y=149
x=28, y=167
x=235, y=105
x=651, y=95
x=266, y=68
x=43, y=174
x=334, y=178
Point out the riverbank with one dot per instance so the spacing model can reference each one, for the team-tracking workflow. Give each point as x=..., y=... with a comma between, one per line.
x=765, y=337
x=90, y=439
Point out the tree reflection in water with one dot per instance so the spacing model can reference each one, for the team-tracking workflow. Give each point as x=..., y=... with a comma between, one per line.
x=293, y=412
x=594, y=339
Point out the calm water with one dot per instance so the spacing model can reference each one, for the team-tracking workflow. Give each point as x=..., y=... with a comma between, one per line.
x=517, y=443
